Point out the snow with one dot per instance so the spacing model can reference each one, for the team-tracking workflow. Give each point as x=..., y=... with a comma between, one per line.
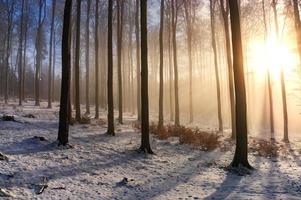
x=104, y=167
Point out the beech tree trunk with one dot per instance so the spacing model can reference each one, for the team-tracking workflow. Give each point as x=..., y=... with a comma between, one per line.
x=145, y=143
x=96, y=61
x=87, y=56
x=218, y=90
x=66, y=72
x=241, y=150
x=110, y=130
x=161, y=118
x=50, y=55
x=76, y=67
x=138, y=61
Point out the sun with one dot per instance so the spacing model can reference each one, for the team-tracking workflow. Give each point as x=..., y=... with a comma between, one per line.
x=271, y=56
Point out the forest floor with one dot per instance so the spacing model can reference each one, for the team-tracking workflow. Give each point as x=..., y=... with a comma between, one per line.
x=97, y=166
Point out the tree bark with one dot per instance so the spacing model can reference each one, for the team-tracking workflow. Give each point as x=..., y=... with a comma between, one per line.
x=110, y=130
x=50, y=54
x=77, y=70
x=21, y=53
x=241, y=150
x=218, y=90
x=145, y=143
x=174, y=17
x=96, y=61
x=66, y=72
x=225, y=14
x=138, y=61
x=87, y=56
x=161, y=117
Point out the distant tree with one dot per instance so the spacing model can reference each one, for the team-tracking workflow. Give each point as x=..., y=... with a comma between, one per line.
x=66, y=71
x=297, y=26
x=96, y=43
x=10, y=9
x=213, y=43
x=138, y=60
x=282, y=78
x=39, y=49
x=174, y=17
x=161, y=118
x=77, y=62
x=241, y=150
x=110, y=130
x=120, y=8
x=87, y=55
x=268, y=74
x=50, y=54
x=145, y=143
x=20, y=52
x=225, y=17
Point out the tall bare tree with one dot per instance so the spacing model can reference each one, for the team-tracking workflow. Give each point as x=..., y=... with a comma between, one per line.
x=145, y=143
x=120, y=8
x=77, y=62
x=66, y=72
x=87, y=56
x=138, y=60
x=20, y=52
x=174, y=16
x=110, y=130
x=50, y=54
x=96, y=43
x=213, y=42
x=225, y=16
x=283, y=87
x=241, y=150
x=161, y=118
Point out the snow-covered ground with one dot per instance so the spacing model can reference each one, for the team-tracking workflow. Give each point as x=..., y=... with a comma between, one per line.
x=103, y=167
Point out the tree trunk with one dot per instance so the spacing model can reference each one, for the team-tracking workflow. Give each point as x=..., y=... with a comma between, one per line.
x=225, y=14
x=66, y=72
x=283, y=87
x=110, y=72
x=175, y=59
x=87, y=55
x=77, y=51
x=50, y=55
x=241, y=150
x=96, y=61
x=269, y=77
x=161, y=118
x=138, y=61
x=21, y=53
x=218, y=90
x=145, y=143
x=25, y=52
x=120, y=6
x=297, y=27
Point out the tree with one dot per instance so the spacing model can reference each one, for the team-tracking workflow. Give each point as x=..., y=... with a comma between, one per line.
x=190, y=9
x=120, y=7
x=213, y=43
x=161, y=118
x=225, y=15
x=87, y=55
x=96, y=43
x=241, y=150
x=282, y=79
x=174, y=16
x=145, y=144
x=10, y=7
x=39, y=49
x=110, y=130
x=268, y=75
x=50, y=54
x=21, y=53
x=138, y=60
x=66, y=71
x=76, y=67
x=297, y=26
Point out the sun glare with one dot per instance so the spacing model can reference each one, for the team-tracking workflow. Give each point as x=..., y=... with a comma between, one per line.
x=271, y=56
